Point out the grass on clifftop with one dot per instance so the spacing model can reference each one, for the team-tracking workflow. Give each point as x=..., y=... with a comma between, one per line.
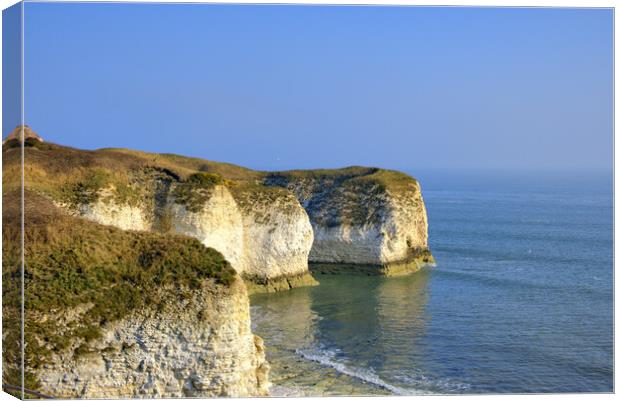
x=76, y=177
x=363, y=176
x=71, y=262
x=188, y=165
x=196, y=190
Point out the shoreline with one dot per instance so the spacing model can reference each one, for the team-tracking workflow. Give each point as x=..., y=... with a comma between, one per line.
x=260, y=285
x=407, y=266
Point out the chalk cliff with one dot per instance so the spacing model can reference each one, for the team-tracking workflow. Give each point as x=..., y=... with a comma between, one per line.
x=268, y=225
x=139, y=265
x=262, y=231
x=366, y=219
x=277, y=238
x=200, y=346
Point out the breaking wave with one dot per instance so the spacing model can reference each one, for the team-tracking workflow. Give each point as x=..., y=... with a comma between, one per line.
x=327, y=358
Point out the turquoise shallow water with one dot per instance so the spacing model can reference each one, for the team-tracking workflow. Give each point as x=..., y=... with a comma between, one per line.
x=520, y=301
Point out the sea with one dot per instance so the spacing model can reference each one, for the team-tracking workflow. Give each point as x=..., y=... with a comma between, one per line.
x=520, y=300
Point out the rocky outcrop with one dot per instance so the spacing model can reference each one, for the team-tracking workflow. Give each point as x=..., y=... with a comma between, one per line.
x=263, y=232
x=364, y=219
x=140, y=311
x=119, y=215
x=277, y=238
x=200, y=347
x=268, y=225
x=22, y=131
x=217, y=224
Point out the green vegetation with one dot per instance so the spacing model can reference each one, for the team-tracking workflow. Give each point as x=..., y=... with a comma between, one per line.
x=257, y=199
x=70, y=175
x=30, y=142
x=77, y=176
x=71, y=263
x=87, y=189
x=185, y=166
x=355, y=175
x=321, y=174
x=196, y=190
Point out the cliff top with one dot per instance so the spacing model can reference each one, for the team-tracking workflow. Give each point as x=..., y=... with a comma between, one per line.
x=181, y=165
x=385, y=179
x=75, y=176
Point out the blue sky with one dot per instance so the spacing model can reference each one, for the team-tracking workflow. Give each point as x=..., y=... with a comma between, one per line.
x=278, y=87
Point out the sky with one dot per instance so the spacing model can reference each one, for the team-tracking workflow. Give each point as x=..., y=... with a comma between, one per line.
x=282, y=87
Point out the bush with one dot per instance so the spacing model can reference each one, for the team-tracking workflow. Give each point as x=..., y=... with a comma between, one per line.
x=196, y=190
x=204, y=180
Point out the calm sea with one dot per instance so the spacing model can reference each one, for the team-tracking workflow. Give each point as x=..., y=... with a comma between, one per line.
x=521, y=299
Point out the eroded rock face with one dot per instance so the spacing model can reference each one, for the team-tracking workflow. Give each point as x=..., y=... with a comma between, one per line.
x=277, y=238
x=399, y=227
x=218, y=224
x=362, y=221
x=270, y=225
x=122, y=216
x=200, y=347
x=264, y=233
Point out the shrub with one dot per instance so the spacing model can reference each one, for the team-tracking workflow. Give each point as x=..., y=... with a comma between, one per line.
x=87, y=189
x=196, y=190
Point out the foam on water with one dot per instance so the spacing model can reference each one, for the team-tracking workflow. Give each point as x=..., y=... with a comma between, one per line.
x=443, y=385
x=327, y=358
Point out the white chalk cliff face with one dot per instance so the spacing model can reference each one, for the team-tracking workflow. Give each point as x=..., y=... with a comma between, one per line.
x=400, y=227
x=265, y=234
x=359, y=220
x=218, y=224
x=122, y=216
x=277, y=234
x=269, y=233
x=200, y=347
